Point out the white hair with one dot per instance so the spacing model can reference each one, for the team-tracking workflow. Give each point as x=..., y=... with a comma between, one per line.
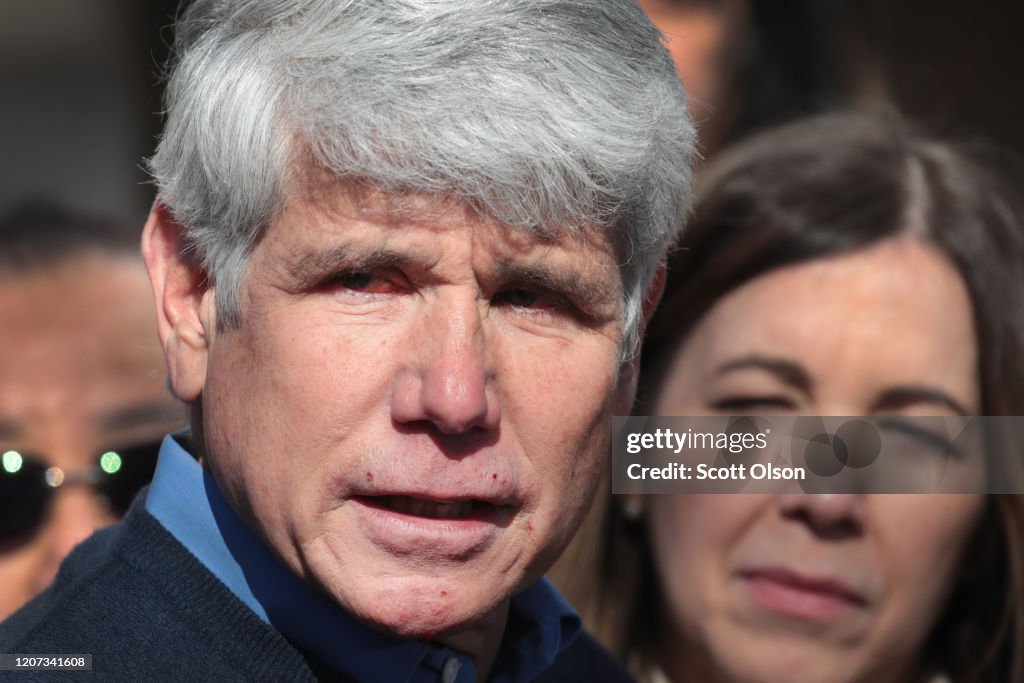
x=545, y=114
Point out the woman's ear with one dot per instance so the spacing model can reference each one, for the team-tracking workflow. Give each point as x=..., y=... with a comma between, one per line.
x=185, y=309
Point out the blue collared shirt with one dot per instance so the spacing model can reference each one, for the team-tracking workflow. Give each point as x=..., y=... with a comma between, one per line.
x=186, y=500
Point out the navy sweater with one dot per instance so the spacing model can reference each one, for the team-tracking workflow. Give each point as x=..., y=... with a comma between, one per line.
x=147, y=610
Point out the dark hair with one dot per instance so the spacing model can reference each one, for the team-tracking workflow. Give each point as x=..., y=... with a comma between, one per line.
x=838, y=183
x=782, y=60
x=816, y=188
x=794, y=63
x=37, y=234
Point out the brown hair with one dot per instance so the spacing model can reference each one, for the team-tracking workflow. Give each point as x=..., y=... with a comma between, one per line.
x=802, y=192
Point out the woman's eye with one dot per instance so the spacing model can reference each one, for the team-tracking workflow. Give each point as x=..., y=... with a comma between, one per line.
x=743, y=405
x=915, y=436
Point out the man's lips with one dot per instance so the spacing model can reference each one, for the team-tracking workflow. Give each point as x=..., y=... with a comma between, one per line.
x=435, y=508
x=801, y=595
x=430, y=526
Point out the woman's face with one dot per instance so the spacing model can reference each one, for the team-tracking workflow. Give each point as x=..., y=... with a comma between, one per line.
x=818, y=588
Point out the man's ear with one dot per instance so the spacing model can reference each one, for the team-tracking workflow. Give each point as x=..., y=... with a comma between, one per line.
x=629, y=373
x=185, y=311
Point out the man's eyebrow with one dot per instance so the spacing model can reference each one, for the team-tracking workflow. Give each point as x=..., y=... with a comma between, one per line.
x=786, y=370
x=141, y=415
x=309, y=269
x=901, y=397
x=594, y=294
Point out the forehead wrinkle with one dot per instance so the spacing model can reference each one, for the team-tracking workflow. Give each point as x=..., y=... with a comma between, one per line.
x=324, y=194
x=391, y=213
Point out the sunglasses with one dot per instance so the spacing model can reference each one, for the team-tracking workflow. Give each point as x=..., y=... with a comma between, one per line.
x=28, y=484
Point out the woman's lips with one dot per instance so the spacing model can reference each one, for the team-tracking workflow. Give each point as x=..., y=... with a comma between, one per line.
x=802, y=596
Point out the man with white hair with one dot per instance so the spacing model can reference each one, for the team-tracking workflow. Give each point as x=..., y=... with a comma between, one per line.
x=402, y=254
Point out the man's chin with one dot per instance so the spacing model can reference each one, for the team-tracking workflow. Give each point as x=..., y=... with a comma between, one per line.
x=423, y=607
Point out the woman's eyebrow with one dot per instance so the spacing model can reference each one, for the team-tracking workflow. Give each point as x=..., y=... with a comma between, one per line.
x=786, y=370
x=903, y=396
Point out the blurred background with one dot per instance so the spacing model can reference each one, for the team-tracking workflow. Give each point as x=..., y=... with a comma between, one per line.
x=80, y=89
x=80, y=101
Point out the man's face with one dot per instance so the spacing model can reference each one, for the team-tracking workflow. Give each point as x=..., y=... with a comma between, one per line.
x=415, y=407
x=81, y=371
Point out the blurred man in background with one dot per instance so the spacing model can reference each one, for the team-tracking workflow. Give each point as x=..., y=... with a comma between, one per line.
x=83, y=397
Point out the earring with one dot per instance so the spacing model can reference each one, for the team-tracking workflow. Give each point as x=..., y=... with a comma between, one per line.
x=633, y=509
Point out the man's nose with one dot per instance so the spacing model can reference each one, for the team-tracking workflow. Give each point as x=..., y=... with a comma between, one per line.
x=449, y=381
x=829, y=516
x=76, y=514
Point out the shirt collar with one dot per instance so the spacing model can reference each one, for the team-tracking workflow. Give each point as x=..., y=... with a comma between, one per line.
x=186, y=500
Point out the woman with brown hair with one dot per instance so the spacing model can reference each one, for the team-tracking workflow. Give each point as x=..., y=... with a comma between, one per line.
x=841, y=266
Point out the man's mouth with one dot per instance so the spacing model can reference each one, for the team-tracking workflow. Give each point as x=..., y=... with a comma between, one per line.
x=423, y=507
x=444, y=525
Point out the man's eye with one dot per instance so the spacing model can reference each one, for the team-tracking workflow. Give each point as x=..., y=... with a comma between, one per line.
x=369, y=282
x=355, y=281
x=522, y=298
